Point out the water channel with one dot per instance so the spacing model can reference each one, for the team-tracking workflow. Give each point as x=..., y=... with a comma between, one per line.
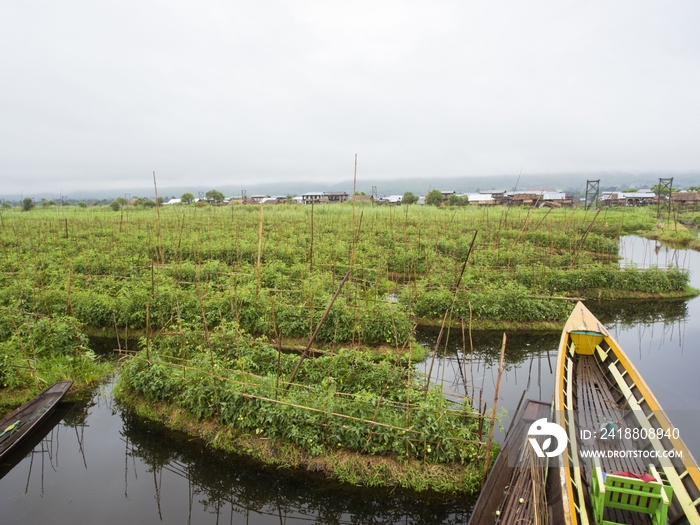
x=99, y=463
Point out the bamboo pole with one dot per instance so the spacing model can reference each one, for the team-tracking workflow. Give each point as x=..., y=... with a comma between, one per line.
x=160, y=235
x=260, y=230
x=278, y=339
x=352, y=222
x=116, y=331
x=148, y=333
x=311, y=246
x=448, y=312
x=583, y=239
x=493, y=410
x=318, y=327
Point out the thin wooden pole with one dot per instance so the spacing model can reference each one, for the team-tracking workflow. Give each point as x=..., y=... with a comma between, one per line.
x=318, y=327
x=148, y=333
x=448, y=312
x=260, y=231
x=493, y=410
x=311, y=247
x=354, y=190
x=278, y=338
x=116, y=332
x=583, y=240
x=160, y=235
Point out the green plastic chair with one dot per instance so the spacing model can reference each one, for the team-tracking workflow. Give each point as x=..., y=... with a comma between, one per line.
x=621, y=492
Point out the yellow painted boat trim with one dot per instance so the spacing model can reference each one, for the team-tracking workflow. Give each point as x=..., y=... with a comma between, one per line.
x=567, y=493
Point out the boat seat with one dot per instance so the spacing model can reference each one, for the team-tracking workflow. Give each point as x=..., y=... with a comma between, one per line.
x=628, y=493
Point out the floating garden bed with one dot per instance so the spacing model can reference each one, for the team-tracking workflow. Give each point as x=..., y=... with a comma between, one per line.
x=358, y=416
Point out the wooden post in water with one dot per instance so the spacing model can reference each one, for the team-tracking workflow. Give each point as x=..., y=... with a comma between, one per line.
x=448, y=312
x=493, y=410
x=116, y=332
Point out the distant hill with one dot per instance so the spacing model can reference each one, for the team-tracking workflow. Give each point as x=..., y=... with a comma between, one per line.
x=573, y=183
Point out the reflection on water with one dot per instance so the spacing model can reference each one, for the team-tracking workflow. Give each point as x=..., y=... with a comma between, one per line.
x=528, y=367
x=104, y=461
x=632, y=313
x=646, y=253
x=660, y=337
x=232, y=486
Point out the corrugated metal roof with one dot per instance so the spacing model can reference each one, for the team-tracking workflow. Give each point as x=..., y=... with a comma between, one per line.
x=627, y=195
x=478, y=197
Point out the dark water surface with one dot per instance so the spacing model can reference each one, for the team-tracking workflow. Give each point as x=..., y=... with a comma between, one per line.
x=101, y=464
x=661, y=338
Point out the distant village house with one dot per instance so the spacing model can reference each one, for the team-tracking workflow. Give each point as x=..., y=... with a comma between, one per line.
x=319, y=197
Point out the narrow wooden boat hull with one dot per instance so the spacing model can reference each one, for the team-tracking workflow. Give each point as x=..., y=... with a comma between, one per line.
x=595, y=381
x=21, y=422
x=507, y=484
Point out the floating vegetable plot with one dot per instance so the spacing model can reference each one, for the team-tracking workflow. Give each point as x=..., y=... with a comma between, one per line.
x=353, y=401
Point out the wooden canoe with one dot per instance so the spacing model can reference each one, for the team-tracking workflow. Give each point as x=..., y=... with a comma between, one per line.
x=20, y=423
x=514, y=492
x=596, y=386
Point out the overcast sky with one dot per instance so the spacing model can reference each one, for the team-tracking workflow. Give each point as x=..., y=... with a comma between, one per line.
x=99, y=94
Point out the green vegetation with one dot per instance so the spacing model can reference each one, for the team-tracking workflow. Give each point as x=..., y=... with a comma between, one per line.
x=35, y=352
x=409, y=198
x=215, y=196
x=27, y=204
x=201, y=266
x=434, y=198
x=456, y=200
x=360, y=402
x=212, y=288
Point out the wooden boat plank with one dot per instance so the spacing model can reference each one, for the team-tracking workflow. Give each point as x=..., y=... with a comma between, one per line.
x=31, y=440
x=30, y=415
x=495, y=490
x=596, y=395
